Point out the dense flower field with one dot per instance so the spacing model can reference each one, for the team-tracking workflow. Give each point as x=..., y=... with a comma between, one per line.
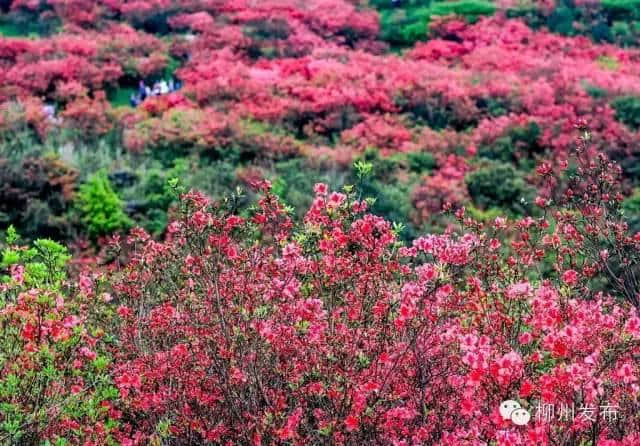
x=344, y=222
x=273, y=89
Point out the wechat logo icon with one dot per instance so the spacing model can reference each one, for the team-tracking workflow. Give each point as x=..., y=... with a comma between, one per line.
x=511, y=410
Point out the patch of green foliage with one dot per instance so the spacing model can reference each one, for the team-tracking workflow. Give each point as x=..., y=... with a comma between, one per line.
x=562, y=18
x=100, y=208
x=408, y=23
x=499, y=185
x=294, y=180
x=44, y=261
x=390, y=195
x=631, y=208
x=614, y=21
x=622, y=9
x=120, y=96
x=24, y=24
x=628, y=110
x=519, y=147
x=13, y=29
x=376, y=179
x=594, y=91
x=495, y=106
x=29, y=395
x=486, y=216
x=421, y=162
x=172, y=65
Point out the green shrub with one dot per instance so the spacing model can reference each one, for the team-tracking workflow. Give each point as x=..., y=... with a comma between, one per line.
x=120, y=96
x=294, y=180
x=54, y=361
x=391, y=197
x=502, y=149
x=623, y=9
x=621, y=30
x=594, y=91
x=499, y=185
x=35, y=195
x=486, y=216
x=469, y=9
x=44, y=263
x=561, y=20
x=494, y=106
x=601, y=31
x=100, y=207
x=631, y=207
x=409, y=24
x=421, y=162
x=150, y=197
x=172, y=65
x=628, y=110
x=404, y=26
x=519, y=146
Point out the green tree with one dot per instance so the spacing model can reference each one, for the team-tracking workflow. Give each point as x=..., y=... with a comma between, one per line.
x=100, y=207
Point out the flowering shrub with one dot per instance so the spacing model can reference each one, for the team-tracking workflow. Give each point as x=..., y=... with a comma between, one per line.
x=254, y=329
x=54, y=383
x=272, y=325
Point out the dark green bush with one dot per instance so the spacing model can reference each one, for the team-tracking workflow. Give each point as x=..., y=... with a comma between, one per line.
x=150, y=197
x=502, y=149
x=499, y=185
x=494, y=106
x=622, y=9
x=403, y=27
x=519, y=146
x=608, y=21
x=628, y=110
x=392, y=197
x=35, y=195
x=631, y=207
x=420, y=162
x=561, y=20
x=294, y=181
x=594, y=91
x=622, y=32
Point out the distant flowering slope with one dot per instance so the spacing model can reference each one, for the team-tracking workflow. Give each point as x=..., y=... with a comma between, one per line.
x=275, y=80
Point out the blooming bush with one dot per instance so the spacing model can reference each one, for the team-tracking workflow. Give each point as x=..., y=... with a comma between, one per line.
x=315, y=316
x=54, y=382
x=254, y=329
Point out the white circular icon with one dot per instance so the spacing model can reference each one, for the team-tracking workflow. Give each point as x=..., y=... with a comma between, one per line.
x=520, y=417
x=507, y=408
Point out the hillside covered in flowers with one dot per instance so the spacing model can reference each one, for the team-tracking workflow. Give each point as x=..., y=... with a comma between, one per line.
x=295, y=93
x=262, y=222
